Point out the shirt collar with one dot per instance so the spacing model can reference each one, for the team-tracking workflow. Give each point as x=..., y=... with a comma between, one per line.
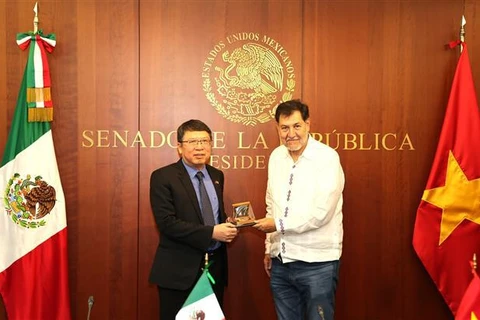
x=307, y=152
x=192, y=171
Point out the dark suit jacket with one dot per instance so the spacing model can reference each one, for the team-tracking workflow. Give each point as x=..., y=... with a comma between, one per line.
x=183, y=237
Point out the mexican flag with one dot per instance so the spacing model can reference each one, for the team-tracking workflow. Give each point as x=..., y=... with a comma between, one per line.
x=201, y=303
x=33, y=225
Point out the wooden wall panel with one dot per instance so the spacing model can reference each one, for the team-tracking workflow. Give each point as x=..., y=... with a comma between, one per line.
x=12, y=60
x=105, y=230
x=400, y=86
x=472, y=37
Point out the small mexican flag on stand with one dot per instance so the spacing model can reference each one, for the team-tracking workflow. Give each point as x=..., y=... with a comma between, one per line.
x=201, y=303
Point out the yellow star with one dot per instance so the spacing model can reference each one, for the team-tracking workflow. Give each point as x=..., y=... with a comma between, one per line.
x=459, y=198
x=473, y=317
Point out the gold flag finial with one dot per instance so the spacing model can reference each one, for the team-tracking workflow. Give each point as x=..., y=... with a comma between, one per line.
x=474, y=261
x=462, y=31
x=35, y=18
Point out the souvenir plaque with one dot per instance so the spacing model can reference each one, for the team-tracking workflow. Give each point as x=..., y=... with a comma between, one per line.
x=243, y=215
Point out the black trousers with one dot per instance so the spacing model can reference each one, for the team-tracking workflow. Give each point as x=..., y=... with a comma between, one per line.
x=171, y=300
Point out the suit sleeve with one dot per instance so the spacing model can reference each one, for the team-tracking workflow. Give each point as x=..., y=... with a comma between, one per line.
x=175, y=217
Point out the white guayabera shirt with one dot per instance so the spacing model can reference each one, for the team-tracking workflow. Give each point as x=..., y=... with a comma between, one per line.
x=305, y=199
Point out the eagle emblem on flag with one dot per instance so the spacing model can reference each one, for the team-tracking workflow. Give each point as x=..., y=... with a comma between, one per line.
x=27, y=202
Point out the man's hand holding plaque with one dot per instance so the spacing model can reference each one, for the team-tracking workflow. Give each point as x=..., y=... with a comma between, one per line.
x=243, y=215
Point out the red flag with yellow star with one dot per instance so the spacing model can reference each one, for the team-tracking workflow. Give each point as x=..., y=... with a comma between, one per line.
x=447, y=226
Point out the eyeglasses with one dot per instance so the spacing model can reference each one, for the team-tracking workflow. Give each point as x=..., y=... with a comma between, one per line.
x=196, y=142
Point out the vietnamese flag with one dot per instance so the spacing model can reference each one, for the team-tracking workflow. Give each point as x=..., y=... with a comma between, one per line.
x=33, y=224
x=447, y=230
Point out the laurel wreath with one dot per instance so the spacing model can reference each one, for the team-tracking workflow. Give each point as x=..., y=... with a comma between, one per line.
x=286, y=96
x=23, y=219
x=211, y=97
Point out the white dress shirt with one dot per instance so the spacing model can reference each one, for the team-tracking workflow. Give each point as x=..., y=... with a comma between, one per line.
x=305, y=199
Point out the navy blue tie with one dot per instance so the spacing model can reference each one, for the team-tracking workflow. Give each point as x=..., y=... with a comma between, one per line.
x=205, y=204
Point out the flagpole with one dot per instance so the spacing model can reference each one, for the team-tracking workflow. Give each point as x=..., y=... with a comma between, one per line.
x=35, y=18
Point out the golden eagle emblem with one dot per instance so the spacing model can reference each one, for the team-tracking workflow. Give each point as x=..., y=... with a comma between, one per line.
x=246, y=82
x=254, y=67
x=27, y=201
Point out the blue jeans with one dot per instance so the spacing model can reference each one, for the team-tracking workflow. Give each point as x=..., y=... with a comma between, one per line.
x=303, y=290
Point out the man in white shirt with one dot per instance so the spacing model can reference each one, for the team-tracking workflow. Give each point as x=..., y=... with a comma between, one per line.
x=304, y=219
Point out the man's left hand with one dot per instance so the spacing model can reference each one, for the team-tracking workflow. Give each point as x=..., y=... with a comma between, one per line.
x=266, y=225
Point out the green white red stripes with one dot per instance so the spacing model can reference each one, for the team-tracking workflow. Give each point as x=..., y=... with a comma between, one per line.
x=38, y=74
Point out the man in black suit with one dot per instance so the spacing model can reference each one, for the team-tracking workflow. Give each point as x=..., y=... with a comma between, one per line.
x=191, y=224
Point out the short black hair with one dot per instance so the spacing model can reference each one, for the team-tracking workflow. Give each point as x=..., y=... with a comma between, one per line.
x=288, y=107
x=192, y=125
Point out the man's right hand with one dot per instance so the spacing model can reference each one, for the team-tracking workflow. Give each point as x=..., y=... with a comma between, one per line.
x=224, y=232
x=267, y=264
